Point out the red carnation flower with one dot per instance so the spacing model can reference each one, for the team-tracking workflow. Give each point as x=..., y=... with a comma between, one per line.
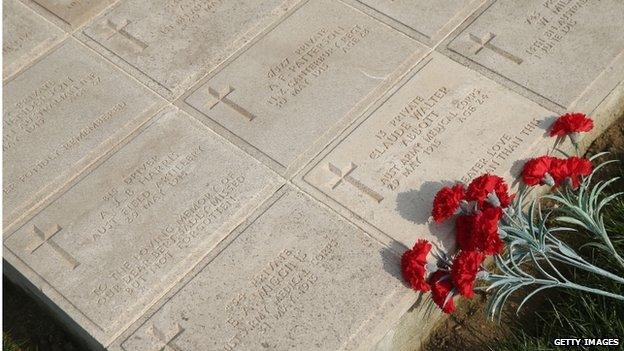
x=577, y=167
x=537, y=171
x=413, y=265
x=464, y=232
x=488, y=190
x=441, y=287
x=568, y=171
x=571, y=123
x=479, y=232
x=464, y=271
x=559, y=170
x=446, y=202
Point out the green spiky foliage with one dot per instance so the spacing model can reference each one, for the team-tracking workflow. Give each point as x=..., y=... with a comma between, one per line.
x=575, y=313
x=584, y=209
x=537, y=258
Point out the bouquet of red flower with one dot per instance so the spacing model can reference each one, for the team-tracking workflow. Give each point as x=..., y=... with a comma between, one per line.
x=489, y=221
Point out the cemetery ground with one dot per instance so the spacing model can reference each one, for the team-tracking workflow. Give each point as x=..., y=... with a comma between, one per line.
x=29, y=326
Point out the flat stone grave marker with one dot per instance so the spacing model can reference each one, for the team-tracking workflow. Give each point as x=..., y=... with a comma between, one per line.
x=288, y=91
x=73, y=13
x=431, y=20
x=25, y=36
x=560, y=50
x=297, y=277
x=170, y=44
x=116, y=241
x=61, y=114
x=442, y=124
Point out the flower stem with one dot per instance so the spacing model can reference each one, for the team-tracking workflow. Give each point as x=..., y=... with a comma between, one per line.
x=586, y=266
x=594, y=291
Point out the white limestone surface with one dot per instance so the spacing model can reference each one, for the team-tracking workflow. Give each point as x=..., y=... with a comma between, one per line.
x=59, y=116
x=124, y=234
x=25, y=36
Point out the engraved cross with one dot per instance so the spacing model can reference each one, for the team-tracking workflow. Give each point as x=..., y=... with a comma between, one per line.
x=486, y=42
x=123, y=32
x=222, y=97
x=347, y=177
x=168, y=342
x=47, y=239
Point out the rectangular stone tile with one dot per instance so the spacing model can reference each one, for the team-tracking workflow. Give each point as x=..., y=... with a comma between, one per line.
x=169, y=44
x=61, y=114
x=71, y=14
x=443, y=124
x=298, y=277
x=286, y=94
x=431, y=20
x=569, y=53
x=116, y=241
x=25, y=36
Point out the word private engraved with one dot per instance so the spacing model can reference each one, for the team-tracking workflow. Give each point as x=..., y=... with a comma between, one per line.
x=347, y=177
x=46, y=238
x=486, y=42
x=222, y=97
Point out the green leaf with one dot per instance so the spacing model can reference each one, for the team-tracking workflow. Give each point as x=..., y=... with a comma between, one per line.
x=566, y=250
x=606, y=200
x=598, y=155
x=596, y=245
x=528, y=297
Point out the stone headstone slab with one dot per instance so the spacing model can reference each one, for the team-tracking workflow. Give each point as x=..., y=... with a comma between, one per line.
x=72, y=13
x=170, y=44
x=25, y=36
x=298, y=82
x=444, y=123
x=559, y=50
x=116, y=241
x=432, y=20
x=298, y=277
x=59, y=115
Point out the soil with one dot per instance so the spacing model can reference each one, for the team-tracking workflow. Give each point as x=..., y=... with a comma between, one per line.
x=29, y=326
x=468, y=328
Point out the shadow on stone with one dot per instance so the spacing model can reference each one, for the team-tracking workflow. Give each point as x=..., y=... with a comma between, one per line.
x=516, y=170
x=545, y=124
x=391, y=259
x=415, y=205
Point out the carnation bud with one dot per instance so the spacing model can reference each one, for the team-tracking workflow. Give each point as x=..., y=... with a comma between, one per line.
x=468, y=207
x=576, y=137
x=493, y=200
x=548, y=179
x=501, y=233
x=431, y=267
x=510, y=211
x=483, y=275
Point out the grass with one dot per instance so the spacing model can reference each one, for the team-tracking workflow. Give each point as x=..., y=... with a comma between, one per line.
x=573, y=314
x=8, y=344
x=28, y=325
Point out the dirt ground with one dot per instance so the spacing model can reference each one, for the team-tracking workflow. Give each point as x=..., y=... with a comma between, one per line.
x=469, y=329
x=27, y=326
